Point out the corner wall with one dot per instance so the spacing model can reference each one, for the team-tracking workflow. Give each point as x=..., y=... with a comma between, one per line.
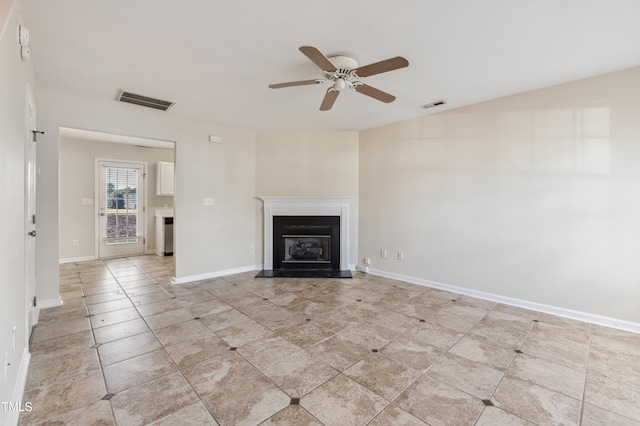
x=534, y=197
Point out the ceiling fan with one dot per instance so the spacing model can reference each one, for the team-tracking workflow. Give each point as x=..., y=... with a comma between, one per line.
x=344, y=72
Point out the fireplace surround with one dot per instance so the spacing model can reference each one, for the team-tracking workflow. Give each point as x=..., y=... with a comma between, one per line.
x=305, y=208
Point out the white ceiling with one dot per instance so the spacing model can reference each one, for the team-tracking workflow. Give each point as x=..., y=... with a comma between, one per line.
x=216, y=58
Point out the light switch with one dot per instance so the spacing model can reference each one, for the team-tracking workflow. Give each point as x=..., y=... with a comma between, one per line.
x=209, y=202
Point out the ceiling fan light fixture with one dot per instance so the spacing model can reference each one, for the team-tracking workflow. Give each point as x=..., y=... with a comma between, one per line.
x=339, y=84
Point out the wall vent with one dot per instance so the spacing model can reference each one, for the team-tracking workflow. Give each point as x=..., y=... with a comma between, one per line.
x=132, y=98
x=433, y=104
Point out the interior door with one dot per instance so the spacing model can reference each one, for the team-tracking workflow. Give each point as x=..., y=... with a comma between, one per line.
x=120, y=209
x=30, y=215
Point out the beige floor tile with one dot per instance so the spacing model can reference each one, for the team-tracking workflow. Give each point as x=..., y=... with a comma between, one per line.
x=209, y=307
x=128, y=347
x=596, y=416
x=98, y=413
x=394, y=415
x=176, y=333
x=293, y=415
x=369, y=334
x=412, y=352
x=438, y=403
x=469, y=376
x=549, y=374
x=168, y=318
x=299, y=374
x=194, y=350
x=267, y=350
x=54, y=329
x=305, y=334
x=193, y=415
x=383, y=376
x=615, y=391
x=148, y=298
x=218, y=372
x=341, y=401
x=243, y=332
x=536, y=404
x=338, y=352
x=247, y=402
x=434, y=335
x=494, y=416
x=488, y=352
x=69, y=344
x=120, y=330
x=114, y=317
x=58, y=397
x=219, y=321
x=49, y=366
x=153, y=400
x=114, y=303
x=394, y=321
x=140, y=369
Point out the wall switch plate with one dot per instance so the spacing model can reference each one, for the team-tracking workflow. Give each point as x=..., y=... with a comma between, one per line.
x=87, y=201
x=252, y=249
x=383, y=253
x=75, y=243
x=400, y=255
x=209, y=202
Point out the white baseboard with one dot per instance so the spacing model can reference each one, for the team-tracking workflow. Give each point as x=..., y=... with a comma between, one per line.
x=50, y=303
x=18, y=389
x=216, y=274
x=77, y=259
x=539, y=307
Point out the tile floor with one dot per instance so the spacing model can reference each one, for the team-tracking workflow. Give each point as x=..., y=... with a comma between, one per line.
x=129, y=348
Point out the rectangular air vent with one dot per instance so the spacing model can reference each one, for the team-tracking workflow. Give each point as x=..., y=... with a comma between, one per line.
x=433, y=104
x=132, y=98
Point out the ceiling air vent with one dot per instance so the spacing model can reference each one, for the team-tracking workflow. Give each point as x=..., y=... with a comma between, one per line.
x=433, y=104
x=132, y=98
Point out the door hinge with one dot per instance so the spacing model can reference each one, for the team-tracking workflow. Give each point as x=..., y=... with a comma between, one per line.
x=33, y=219
x=35, y=301
x=35, y=133
x=144, y=208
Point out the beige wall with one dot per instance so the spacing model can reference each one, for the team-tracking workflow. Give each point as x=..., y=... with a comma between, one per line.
x=77, y=181
x=309, y=164
x=14, y=77
x=533, y=197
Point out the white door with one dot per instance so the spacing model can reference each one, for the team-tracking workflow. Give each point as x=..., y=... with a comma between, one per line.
x=120, y=209
x=30, y=214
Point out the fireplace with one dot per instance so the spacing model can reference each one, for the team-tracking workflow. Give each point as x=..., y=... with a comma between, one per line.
x=306, y=242
x=306, y=233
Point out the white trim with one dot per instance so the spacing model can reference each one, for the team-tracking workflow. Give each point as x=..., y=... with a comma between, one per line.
x=216, y=274
x=18, y=390
x=620, y=324
x=305, y=206
x=50, y=303
x=77, y=259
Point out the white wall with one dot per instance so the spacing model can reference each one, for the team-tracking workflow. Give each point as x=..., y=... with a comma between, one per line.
x=533, y=197
x=208, y=239
x=77, y=181
x=14, y=76
x=309, y=164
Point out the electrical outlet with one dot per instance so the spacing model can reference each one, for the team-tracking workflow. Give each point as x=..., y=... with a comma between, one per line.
x=75, y=243
x=252, y=249
x=400, y=255
x=367, y=261
x=87, y=201
x=209, y=202
x=383, y=253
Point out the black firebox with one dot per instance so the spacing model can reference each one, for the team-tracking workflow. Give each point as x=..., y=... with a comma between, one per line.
x=306, y=242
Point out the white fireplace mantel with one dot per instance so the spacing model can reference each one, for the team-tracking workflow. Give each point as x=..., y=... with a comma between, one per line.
x=306, y=206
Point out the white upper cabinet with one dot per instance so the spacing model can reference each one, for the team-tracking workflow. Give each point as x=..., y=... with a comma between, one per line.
x=164, y=178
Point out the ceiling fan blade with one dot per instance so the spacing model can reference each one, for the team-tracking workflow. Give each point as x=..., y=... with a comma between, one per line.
x=318, y=58
x=294, y=83
x=382, y=66
x=329, y=99
x=378, y=94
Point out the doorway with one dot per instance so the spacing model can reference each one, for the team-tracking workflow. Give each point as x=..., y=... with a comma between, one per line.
x=30, y=215
x=121, y=207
